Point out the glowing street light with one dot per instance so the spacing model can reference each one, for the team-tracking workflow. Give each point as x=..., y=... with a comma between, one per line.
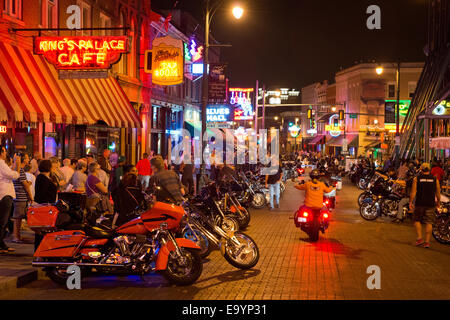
x=276, y=118
x=238, y=12
x=333, y=109
x=379, y=70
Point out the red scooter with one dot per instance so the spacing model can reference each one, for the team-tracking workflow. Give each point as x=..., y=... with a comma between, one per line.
x=142, y=245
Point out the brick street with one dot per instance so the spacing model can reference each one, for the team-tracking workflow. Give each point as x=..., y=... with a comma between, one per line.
x=291, y=267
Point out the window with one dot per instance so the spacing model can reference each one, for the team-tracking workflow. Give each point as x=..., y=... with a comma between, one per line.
x=411, y=88
x=13, y=8
x=85, y=16
x=105, y=22
x=391, y=90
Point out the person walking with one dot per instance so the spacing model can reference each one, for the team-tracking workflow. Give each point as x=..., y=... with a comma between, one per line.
x=273, y=182
x=426, y=192
x=144, y=171
x=7, y=194
x=22, y=187
x=187, y=177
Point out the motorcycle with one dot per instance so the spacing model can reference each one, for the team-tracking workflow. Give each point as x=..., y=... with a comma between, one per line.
x=239, y=249
x=312, y=221
x=384, y=204
x=142, y=245
x=441, y=226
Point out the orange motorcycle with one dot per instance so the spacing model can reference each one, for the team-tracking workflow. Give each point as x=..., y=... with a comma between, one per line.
x=142, y=245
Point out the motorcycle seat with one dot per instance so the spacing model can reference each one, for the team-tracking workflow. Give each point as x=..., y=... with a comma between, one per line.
x=97, y=233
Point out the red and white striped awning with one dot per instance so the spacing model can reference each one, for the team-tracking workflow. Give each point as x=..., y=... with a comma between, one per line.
x=31, y=91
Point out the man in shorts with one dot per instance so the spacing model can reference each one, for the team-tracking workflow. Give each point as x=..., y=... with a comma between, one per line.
x=426, y=191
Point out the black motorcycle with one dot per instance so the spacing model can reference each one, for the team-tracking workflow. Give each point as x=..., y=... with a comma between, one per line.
x=386, y=203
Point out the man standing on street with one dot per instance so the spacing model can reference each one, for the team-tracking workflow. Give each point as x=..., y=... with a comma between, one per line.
x=273, y=182
x=7, y=194
x=144, y=171
x=103, y=161
x=427, y=192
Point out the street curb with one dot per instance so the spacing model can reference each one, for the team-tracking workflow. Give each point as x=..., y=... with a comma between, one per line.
x=23, y=277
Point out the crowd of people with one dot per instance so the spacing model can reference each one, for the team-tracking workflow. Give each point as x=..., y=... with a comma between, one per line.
x=25, y=182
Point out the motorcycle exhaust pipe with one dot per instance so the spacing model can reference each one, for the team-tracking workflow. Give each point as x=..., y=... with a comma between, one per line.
x=64, y=264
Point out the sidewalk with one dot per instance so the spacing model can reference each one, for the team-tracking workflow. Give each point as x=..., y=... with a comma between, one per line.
x=15, y=268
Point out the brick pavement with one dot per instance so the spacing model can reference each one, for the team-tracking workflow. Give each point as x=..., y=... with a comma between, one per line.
x=292, y=268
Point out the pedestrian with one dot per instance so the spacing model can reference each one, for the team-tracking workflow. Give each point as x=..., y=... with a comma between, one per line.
x=67, y=170
x=144, y=171
x=7, y=194
x=45, y=190
x=56, y=173
x=35, y=163
x=79, y=177
x=273, y=181
x=30, y=177
x=23, y=196
x=426, y=192
x=96, y=191
x=118, y=172
x=103, y=161
x=187, y=177
x=171, y=190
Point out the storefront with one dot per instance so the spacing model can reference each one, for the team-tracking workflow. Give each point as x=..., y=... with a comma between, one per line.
x=61, y=117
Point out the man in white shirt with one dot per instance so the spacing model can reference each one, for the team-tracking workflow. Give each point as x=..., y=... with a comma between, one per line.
x=35, y=163
x=7, y=194
x=67, y=170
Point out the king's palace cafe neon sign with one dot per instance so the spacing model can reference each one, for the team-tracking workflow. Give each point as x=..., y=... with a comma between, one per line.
x=87, y=52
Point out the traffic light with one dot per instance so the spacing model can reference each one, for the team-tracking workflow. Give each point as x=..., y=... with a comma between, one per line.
x=336, y=122
x=341, y=114
x=309, y=113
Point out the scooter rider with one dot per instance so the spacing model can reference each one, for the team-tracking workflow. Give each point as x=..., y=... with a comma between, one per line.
x=314, y=190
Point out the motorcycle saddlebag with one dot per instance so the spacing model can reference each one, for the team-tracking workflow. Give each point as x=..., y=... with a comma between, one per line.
x=61, y=244
x=42, y=218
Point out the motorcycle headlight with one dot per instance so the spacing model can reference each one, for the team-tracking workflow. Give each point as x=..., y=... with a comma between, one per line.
x=444, y=210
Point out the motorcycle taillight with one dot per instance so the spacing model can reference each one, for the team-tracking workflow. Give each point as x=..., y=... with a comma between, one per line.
x=325, y=215
x=305, y=214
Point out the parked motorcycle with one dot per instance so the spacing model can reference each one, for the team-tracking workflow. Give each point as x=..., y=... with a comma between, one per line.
x=142, y=245
x=238, y=248
x=377, y=205
x=441, y=226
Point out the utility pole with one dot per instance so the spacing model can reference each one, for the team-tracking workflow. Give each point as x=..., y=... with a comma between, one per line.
x=256, y=108
x=204, y=94
x=264, y=107
x=397, y=115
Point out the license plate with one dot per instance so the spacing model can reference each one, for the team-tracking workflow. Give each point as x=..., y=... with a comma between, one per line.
x=301, y=219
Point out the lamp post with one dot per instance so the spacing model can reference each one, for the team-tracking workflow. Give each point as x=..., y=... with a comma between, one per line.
x=379, y=70
x=237, y=12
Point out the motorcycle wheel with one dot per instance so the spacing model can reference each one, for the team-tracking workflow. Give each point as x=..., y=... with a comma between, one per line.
x=441, y=230
x=245, y=256
x=183, y=275
x=199, y=239
x=368, y=211
x=314, y=232
x=229, y=224
x=259, y=200
x=361, y=198
x=361, y=184
x=243, y=221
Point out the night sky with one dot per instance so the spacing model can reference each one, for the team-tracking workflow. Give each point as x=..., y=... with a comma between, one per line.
x=293, y=43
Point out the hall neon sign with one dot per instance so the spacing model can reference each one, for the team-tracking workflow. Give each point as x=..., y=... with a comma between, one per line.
x=84, y=52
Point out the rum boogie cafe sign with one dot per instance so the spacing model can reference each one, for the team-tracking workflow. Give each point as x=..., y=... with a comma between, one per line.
x=81, y=53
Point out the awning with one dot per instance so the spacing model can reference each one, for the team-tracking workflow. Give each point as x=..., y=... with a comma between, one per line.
x=31, y=91
x=338, y=141
x=316, y=139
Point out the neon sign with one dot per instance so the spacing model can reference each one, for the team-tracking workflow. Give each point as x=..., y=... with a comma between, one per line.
x=219, y=113
x=2, y=129
x=196, y=52
x=294, y=130
x=167, y=61
x=335, y=131
x=187, y=54
x=96, y=52
x=241, y=100
x=403, y=106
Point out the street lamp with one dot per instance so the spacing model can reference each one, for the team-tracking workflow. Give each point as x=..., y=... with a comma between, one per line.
x=237, y=12
x=276, y=118
x=379, y=70
x=333, y=109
